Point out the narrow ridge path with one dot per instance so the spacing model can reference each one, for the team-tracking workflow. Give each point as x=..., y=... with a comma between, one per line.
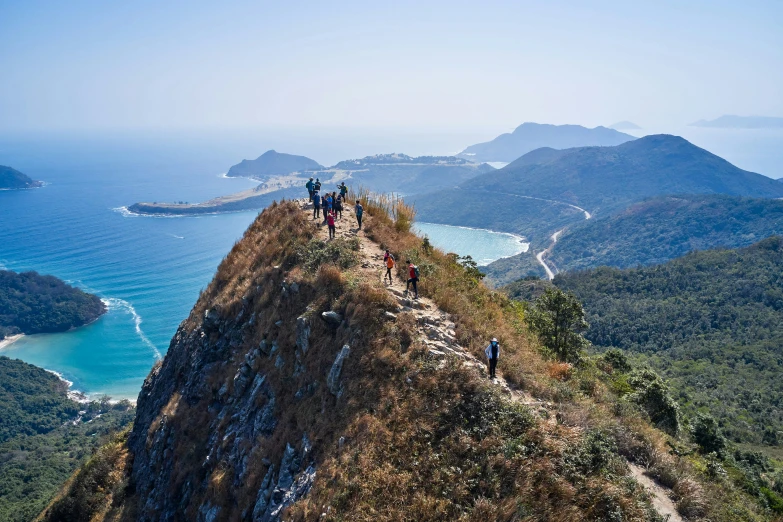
x=436, y=330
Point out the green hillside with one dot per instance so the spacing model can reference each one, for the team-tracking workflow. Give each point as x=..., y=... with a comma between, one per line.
x=32, y=303
x=45, y=436
x=664, y=228
x=711, y=322
x=13, y=179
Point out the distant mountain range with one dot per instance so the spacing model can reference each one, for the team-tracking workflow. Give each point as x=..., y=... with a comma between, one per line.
x=272, y=163
x=547, y=191
x=531, y=136
x=624, y=125
x=13, y=179
x=741, y=122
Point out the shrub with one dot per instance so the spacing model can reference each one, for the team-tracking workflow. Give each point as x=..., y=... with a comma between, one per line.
x=705, y=433
x=652, y=394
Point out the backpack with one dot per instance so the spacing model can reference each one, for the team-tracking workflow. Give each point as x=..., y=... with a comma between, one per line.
x=416, y=271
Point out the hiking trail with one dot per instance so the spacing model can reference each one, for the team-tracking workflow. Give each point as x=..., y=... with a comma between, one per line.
x=437, y=331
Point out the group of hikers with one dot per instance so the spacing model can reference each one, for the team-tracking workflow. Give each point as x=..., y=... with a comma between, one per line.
x=332, y=204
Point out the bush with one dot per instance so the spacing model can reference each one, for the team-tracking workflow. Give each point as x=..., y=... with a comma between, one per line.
x=559, y=320
x=706, y=434
x=652, y=394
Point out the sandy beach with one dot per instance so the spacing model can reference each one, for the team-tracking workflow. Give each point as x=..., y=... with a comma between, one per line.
x=8, y=341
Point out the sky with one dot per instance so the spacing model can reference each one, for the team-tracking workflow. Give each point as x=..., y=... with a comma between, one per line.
x=444, y=64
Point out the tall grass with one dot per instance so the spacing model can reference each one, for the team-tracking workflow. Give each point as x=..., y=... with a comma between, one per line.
x=388, y=208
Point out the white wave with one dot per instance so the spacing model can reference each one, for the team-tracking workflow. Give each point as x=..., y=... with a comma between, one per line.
x=121, y=304
x=176, y=236
x=125, y=212
x=223, y=175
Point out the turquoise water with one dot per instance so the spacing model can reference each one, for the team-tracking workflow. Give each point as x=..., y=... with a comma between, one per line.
x=484, y=246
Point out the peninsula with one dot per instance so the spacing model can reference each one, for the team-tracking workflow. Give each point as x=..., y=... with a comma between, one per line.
x=31, y=303
x=12, y=179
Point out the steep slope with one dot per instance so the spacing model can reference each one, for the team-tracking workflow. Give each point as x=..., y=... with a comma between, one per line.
x=272, y=163
x=301, y=388
x=530, y=136
x=664, y=228
x=13, y=179
x=712, y=322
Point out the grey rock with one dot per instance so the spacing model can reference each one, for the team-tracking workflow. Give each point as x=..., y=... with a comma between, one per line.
x=279, y=323
x=390, y=316
x=332, y=318
x=294, y=287
x=279, y=362
x=333, y=379
x=211, y=319
x=264, y=347
x=303, y=334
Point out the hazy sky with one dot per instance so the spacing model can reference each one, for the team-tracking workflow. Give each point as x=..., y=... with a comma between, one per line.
x=442, y=64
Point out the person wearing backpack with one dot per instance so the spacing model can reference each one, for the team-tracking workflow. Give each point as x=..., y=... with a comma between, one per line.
x=493, y=354
x=316, y=205
x=343, y=190
x=359, y=212
x=317, y=185
x=310, y=186
x=338, y=206
x=389, y=260
x=413, y=278
x=330, y=222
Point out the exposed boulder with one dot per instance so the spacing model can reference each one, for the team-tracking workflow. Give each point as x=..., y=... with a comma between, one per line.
x=333, y=379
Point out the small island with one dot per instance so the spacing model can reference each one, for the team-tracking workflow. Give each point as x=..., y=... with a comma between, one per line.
x=272, y=163
x=12, y=179
x=31, y=303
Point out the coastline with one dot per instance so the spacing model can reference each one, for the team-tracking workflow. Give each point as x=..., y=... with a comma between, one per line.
x=8, y=341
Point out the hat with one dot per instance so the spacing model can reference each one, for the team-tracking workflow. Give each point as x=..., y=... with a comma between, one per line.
x=494, y=339
x=311, y=179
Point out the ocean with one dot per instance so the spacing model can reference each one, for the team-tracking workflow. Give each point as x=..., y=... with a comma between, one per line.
x=149, y=270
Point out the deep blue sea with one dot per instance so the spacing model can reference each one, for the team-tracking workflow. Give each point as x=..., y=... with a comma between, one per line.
x=150, y=270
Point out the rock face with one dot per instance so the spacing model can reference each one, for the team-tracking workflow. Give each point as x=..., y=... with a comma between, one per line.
x=223, y=426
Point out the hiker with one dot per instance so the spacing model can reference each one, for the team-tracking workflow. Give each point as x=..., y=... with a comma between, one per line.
x=330, y=222
x=413, y=278
x=327, y=201
x=316, y=204
x=338, y=206
x=493, y=353
x=389, y=260
x=359, y=212
x=310, y=186
x=343, y=190
x=317, y=185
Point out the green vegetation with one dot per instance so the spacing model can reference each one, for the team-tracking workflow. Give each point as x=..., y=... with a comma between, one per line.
x=710, y=322
x=31, y=303
x=13, y=179
x=559, y=320
x=664, y=228
x=45, y=436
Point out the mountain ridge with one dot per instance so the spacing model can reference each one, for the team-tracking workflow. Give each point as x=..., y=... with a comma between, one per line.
x=272, y=163
x=530, y=136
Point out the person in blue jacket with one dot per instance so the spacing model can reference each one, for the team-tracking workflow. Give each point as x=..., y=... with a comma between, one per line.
x=493, y=354
x=316, y=205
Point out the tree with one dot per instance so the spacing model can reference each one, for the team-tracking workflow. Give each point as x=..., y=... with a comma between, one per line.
x=559, y=320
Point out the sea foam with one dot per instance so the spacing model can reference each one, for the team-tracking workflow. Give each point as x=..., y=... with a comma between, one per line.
x=113, y=303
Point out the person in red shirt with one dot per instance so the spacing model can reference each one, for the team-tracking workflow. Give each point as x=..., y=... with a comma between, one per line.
x=330, y=222
x=413, y=278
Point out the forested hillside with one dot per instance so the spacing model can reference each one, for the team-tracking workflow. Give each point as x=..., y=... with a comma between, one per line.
x=711, y=322
x=33, y=303
x=667, y=227
x=45, y=436
x=11, y=178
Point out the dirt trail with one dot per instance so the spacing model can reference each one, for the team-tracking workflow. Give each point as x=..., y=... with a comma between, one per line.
x=437, y=331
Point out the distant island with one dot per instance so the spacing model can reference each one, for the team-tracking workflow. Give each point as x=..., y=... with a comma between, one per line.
x=12, y=179
x=381, y=173
x=31, y=303
x=531, y=136
x=624, y=125
x=272, y=163
x=741, y=122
